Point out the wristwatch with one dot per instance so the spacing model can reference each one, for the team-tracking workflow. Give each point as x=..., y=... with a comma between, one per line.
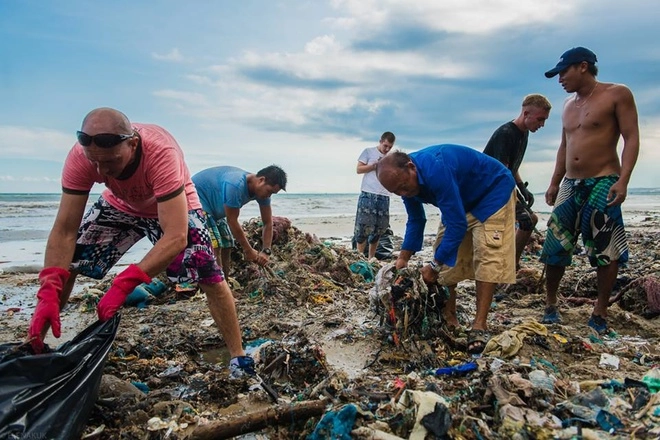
x=266, y=251
x=435, y=266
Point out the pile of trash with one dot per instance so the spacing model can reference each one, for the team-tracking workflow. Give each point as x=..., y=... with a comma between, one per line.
x=351, y=348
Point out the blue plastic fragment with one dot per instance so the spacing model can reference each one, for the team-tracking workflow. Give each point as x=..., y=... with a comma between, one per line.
x=456, y=370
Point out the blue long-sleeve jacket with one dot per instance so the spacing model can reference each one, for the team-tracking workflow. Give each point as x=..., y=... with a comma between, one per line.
x=457, y=180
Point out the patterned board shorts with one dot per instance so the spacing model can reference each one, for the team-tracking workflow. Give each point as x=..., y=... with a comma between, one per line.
x=373, y=217
x=107, y=233
x=221, y=236
x=487, y=252
x=581, y=208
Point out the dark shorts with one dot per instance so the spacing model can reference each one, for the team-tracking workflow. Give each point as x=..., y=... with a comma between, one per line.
x=106, y=234
x=581, y=208
x=373, y=217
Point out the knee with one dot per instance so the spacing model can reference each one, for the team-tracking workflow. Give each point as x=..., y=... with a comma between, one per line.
x=217, y=290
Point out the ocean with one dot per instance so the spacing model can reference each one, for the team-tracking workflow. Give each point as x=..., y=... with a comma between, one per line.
x=26, y=219
x=30, y=216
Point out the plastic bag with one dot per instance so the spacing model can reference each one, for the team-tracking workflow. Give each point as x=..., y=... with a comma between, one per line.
x=385, y=247
x=50, y=395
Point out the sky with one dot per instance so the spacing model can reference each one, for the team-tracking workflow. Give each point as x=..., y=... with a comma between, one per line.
x=307, y=85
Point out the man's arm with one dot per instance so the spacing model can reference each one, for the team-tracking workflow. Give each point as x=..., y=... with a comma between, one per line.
x=55, y=274
x=231, y=214
x=62, y=239
x=625, y=112
x=267, y=220
x=173, y=220
x=363, y=168
x=558, y=173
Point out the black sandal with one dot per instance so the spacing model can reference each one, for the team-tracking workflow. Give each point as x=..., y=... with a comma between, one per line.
x=476, y=341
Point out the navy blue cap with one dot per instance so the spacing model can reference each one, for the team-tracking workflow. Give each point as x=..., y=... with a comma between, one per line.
x=570, y=57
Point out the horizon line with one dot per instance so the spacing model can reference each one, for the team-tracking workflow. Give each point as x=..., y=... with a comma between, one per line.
x=284, y=193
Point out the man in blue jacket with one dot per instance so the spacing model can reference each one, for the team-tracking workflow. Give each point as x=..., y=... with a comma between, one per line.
x=475, y=195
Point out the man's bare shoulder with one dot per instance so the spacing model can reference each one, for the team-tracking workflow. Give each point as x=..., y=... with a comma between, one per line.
x=617, y=89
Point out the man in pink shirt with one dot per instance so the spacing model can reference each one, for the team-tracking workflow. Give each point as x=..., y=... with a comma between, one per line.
x=148, y=193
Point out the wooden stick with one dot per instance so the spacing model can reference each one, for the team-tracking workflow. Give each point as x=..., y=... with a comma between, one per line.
x=280, y=415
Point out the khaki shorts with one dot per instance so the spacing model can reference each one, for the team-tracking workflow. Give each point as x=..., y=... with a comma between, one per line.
x=488, y=250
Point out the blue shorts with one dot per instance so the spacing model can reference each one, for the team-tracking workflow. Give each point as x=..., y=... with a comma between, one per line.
x=581, y=208
x=373, y=217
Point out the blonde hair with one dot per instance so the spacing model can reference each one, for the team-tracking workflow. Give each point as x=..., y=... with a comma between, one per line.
x=536, y=100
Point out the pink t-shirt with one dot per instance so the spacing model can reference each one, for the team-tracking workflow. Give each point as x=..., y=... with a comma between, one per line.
x=162, y=171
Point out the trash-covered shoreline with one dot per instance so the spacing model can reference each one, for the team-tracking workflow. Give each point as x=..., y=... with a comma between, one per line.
x=332, y=364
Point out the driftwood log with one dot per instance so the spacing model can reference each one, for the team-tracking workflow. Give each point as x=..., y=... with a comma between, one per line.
x=278, y=415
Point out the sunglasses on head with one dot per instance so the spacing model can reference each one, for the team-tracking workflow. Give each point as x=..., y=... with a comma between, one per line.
x=102, y=140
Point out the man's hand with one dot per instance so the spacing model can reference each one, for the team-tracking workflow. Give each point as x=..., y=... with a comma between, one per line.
x=401, y=263
x=618, y=193
x=122, y=286
x=47, y=312
x=429, y=275
x=526, y=193
x=256, y=257
x=551, y=194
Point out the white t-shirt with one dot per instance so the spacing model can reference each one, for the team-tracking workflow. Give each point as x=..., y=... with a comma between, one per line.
x=370, y=182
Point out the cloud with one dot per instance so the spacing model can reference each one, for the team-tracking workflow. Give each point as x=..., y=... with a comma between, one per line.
x=189, y=98
x=453, y=16
x=34, y=142
x=173, y=56
x=332, y=77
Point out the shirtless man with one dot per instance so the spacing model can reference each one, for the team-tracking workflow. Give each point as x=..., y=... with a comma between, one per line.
x=594, y=181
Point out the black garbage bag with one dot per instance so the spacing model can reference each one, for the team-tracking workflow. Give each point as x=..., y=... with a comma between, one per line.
x=50, y=395
x=385, y=247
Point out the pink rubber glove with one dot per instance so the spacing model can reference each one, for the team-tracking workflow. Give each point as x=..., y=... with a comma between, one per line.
x=52, y=281
x=122, y=286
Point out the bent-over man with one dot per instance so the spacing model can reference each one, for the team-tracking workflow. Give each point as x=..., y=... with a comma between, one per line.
x=475, y=194
x=148, y=194
x=223, y=191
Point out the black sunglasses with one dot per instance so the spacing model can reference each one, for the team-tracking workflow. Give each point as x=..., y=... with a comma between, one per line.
x=102, y=140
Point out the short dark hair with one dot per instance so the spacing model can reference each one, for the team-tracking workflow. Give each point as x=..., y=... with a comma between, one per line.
x=274, y=176
x=388, y=136
x=592, y=68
